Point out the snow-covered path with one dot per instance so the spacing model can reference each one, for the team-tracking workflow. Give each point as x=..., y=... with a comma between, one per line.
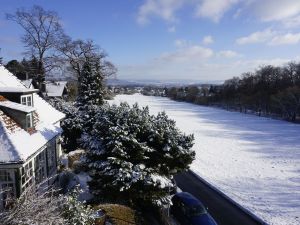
x=255, y=161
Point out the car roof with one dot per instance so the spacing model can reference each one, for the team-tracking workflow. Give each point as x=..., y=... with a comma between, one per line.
x=188, y=199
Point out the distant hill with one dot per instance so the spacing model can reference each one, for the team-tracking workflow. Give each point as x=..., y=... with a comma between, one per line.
x=160, y=83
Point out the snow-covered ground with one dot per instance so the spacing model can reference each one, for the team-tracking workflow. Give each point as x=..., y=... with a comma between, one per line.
x=254, y=160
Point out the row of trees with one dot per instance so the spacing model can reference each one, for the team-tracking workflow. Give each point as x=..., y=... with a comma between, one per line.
x=49, y=48
x=270, y=90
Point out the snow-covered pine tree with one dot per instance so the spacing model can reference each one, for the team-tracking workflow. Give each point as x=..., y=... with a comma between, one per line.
x=80, y=116
x=133, y=155
x=91, y=88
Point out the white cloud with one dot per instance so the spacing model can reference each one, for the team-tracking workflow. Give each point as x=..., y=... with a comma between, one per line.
x=164, y=9
x=188, y=54
x=256, y=37
x=270, y=37
x=180, y=43
x=228, y=54
x=287, y=12
x=251, y=65
x=172, y=29
x=203, y=70
x=208, y=40
x=292, y=22
x=275, y=10
x=214, y=9
x=286, y=39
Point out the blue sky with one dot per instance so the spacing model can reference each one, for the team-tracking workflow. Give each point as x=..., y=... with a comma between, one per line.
x=174, y=39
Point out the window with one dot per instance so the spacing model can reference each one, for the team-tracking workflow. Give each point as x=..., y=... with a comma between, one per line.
x=29, y=120
x=29, y=102
x=40, y=167
x=51, y=156
x=5, y=176
x=26, y=100
x=23, y=100
x=27, y=175
x=7, y=188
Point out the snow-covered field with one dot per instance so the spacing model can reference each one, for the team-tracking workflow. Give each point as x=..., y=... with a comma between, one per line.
x=255, y=161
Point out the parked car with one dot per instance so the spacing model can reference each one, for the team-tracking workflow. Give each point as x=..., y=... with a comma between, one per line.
x=188, y=210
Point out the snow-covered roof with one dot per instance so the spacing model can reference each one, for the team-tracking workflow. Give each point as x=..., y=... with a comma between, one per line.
x=55, y=88
x=16, y=89
x=16, y=144
x=27, y=83
x=16, y=106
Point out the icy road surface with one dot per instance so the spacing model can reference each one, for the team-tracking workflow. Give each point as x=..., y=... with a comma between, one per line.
x=254, y=160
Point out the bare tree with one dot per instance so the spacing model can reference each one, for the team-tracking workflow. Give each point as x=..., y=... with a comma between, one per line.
x=44, y=205
x=42, y=31
x=78, y=52
x=35, y=208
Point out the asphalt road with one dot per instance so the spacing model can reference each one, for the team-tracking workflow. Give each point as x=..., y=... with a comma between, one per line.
x=221, y=209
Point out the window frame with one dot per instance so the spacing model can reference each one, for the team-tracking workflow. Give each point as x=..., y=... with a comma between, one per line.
x=5, y=176
x=28, y=100
x=40, y=166
x=51, y=156
x=27, y=175
x=7, y=186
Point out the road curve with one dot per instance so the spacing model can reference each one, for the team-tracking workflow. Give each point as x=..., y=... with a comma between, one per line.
x=222, y=210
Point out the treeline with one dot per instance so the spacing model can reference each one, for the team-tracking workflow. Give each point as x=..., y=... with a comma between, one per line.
x=269, y=91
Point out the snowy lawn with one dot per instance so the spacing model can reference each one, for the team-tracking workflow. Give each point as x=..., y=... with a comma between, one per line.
x=254, y=160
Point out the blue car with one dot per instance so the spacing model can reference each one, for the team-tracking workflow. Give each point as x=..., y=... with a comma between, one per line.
x=188, y=210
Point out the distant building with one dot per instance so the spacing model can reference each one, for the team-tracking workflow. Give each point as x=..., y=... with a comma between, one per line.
x=56, y=89
x=29, y=138
x=53, y=89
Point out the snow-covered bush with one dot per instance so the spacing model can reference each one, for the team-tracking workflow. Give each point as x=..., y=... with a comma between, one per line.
x=132, y=155
x=75, y=211
x=72, y=125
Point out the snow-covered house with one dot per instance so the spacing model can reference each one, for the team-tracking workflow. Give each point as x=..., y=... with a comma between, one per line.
x=29, y=137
